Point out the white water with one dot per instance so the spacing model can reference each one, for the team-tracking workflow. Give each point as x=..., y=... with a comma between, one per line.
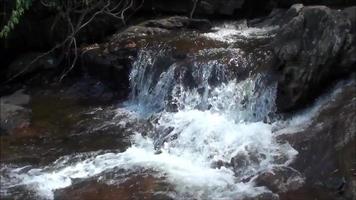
x=233, y=32
x=209, y=125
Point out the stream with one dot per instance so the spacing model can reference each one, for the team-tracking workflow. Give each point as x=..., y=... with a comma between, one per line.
x=200, y=126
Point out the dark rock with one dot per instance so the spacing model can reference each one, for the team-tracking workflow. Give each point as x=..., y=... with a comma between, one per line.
x=231, y=8
x=224, y=7
x=17, y=98
x=111, y=61
x=204, y=7
x=348, y=54
x=314, y=48
x=327, y=149
x=163, y=26
x=30, y=63
x=13, y=114
x=278, y=17
x=175, y=23
x=264, y=196
x=280, y=179
x=110, y=66
x=243, y=161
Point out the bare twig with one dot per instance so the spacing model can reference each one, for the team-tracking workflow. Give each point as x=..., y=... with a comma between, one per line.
x=195, y=3
x=76, y=14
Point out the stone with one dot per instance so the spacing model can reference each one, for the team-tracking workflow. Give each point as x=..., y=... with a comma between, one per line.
x=280, y=179
x=178, y=22
x=111, y=61
x=225, y=7
x=313, y=48
x=13, y=114
x=264, y=196
x=326, y=147
x=17, y=98
x=29, y=63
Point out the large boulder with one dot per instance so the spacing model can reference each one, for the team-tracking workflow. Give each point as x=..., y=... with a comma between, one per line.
x=109, y=64
x=315, y=47
x=231, y=8
x=327, y=148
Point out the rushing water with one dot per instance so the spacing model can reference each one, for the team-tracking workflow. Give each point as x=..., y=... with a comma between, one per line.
x=210, y=133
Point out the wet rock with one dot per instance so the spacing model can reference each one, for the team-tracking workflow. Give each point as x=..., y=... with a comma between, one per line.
x=137, y=186
x=13, y=114
x=17, y=98
x=348, y=55
x=327, y=149
x=111, y=66
x=280, y=179
x=264, y=196
x=178, y=22
x=111, y=61
x=314, y=48
x=278, y=17
x=164, y=26
x=244, y=161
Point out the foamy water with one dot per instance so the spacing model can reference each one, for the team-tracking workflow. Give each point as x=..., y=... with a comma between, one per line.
x=198, y=138
x=231, y=33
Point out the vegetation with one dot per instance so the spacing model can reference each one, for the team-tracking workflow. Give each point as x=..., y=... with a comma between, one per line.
x=76, y=14
x=72, y=16
x=21, y=6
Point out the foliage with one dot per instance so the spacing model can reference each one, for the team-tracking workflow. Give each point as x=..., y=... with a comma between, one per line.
x=76, y=14
x=60, y=5
x=16, y=14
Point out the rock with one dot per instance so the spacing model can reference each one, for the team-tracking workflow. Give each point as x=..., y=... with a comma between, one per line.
x=278, y=17
x=314, y=48
x=178, y=22
x=264, y=196
x=13, y=114
x=348, y=55
x=111, y=61
x=204, y=7
x=30, y=63
x=327, y=148
x=111, y=67
x=17, y=98
x=231, y=8
x=280, y=179
x=165, y=26
x=224, y=7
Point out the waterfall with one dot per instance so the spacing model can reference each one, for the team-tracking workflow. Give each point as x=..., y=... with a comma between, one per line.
x=212, y=130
